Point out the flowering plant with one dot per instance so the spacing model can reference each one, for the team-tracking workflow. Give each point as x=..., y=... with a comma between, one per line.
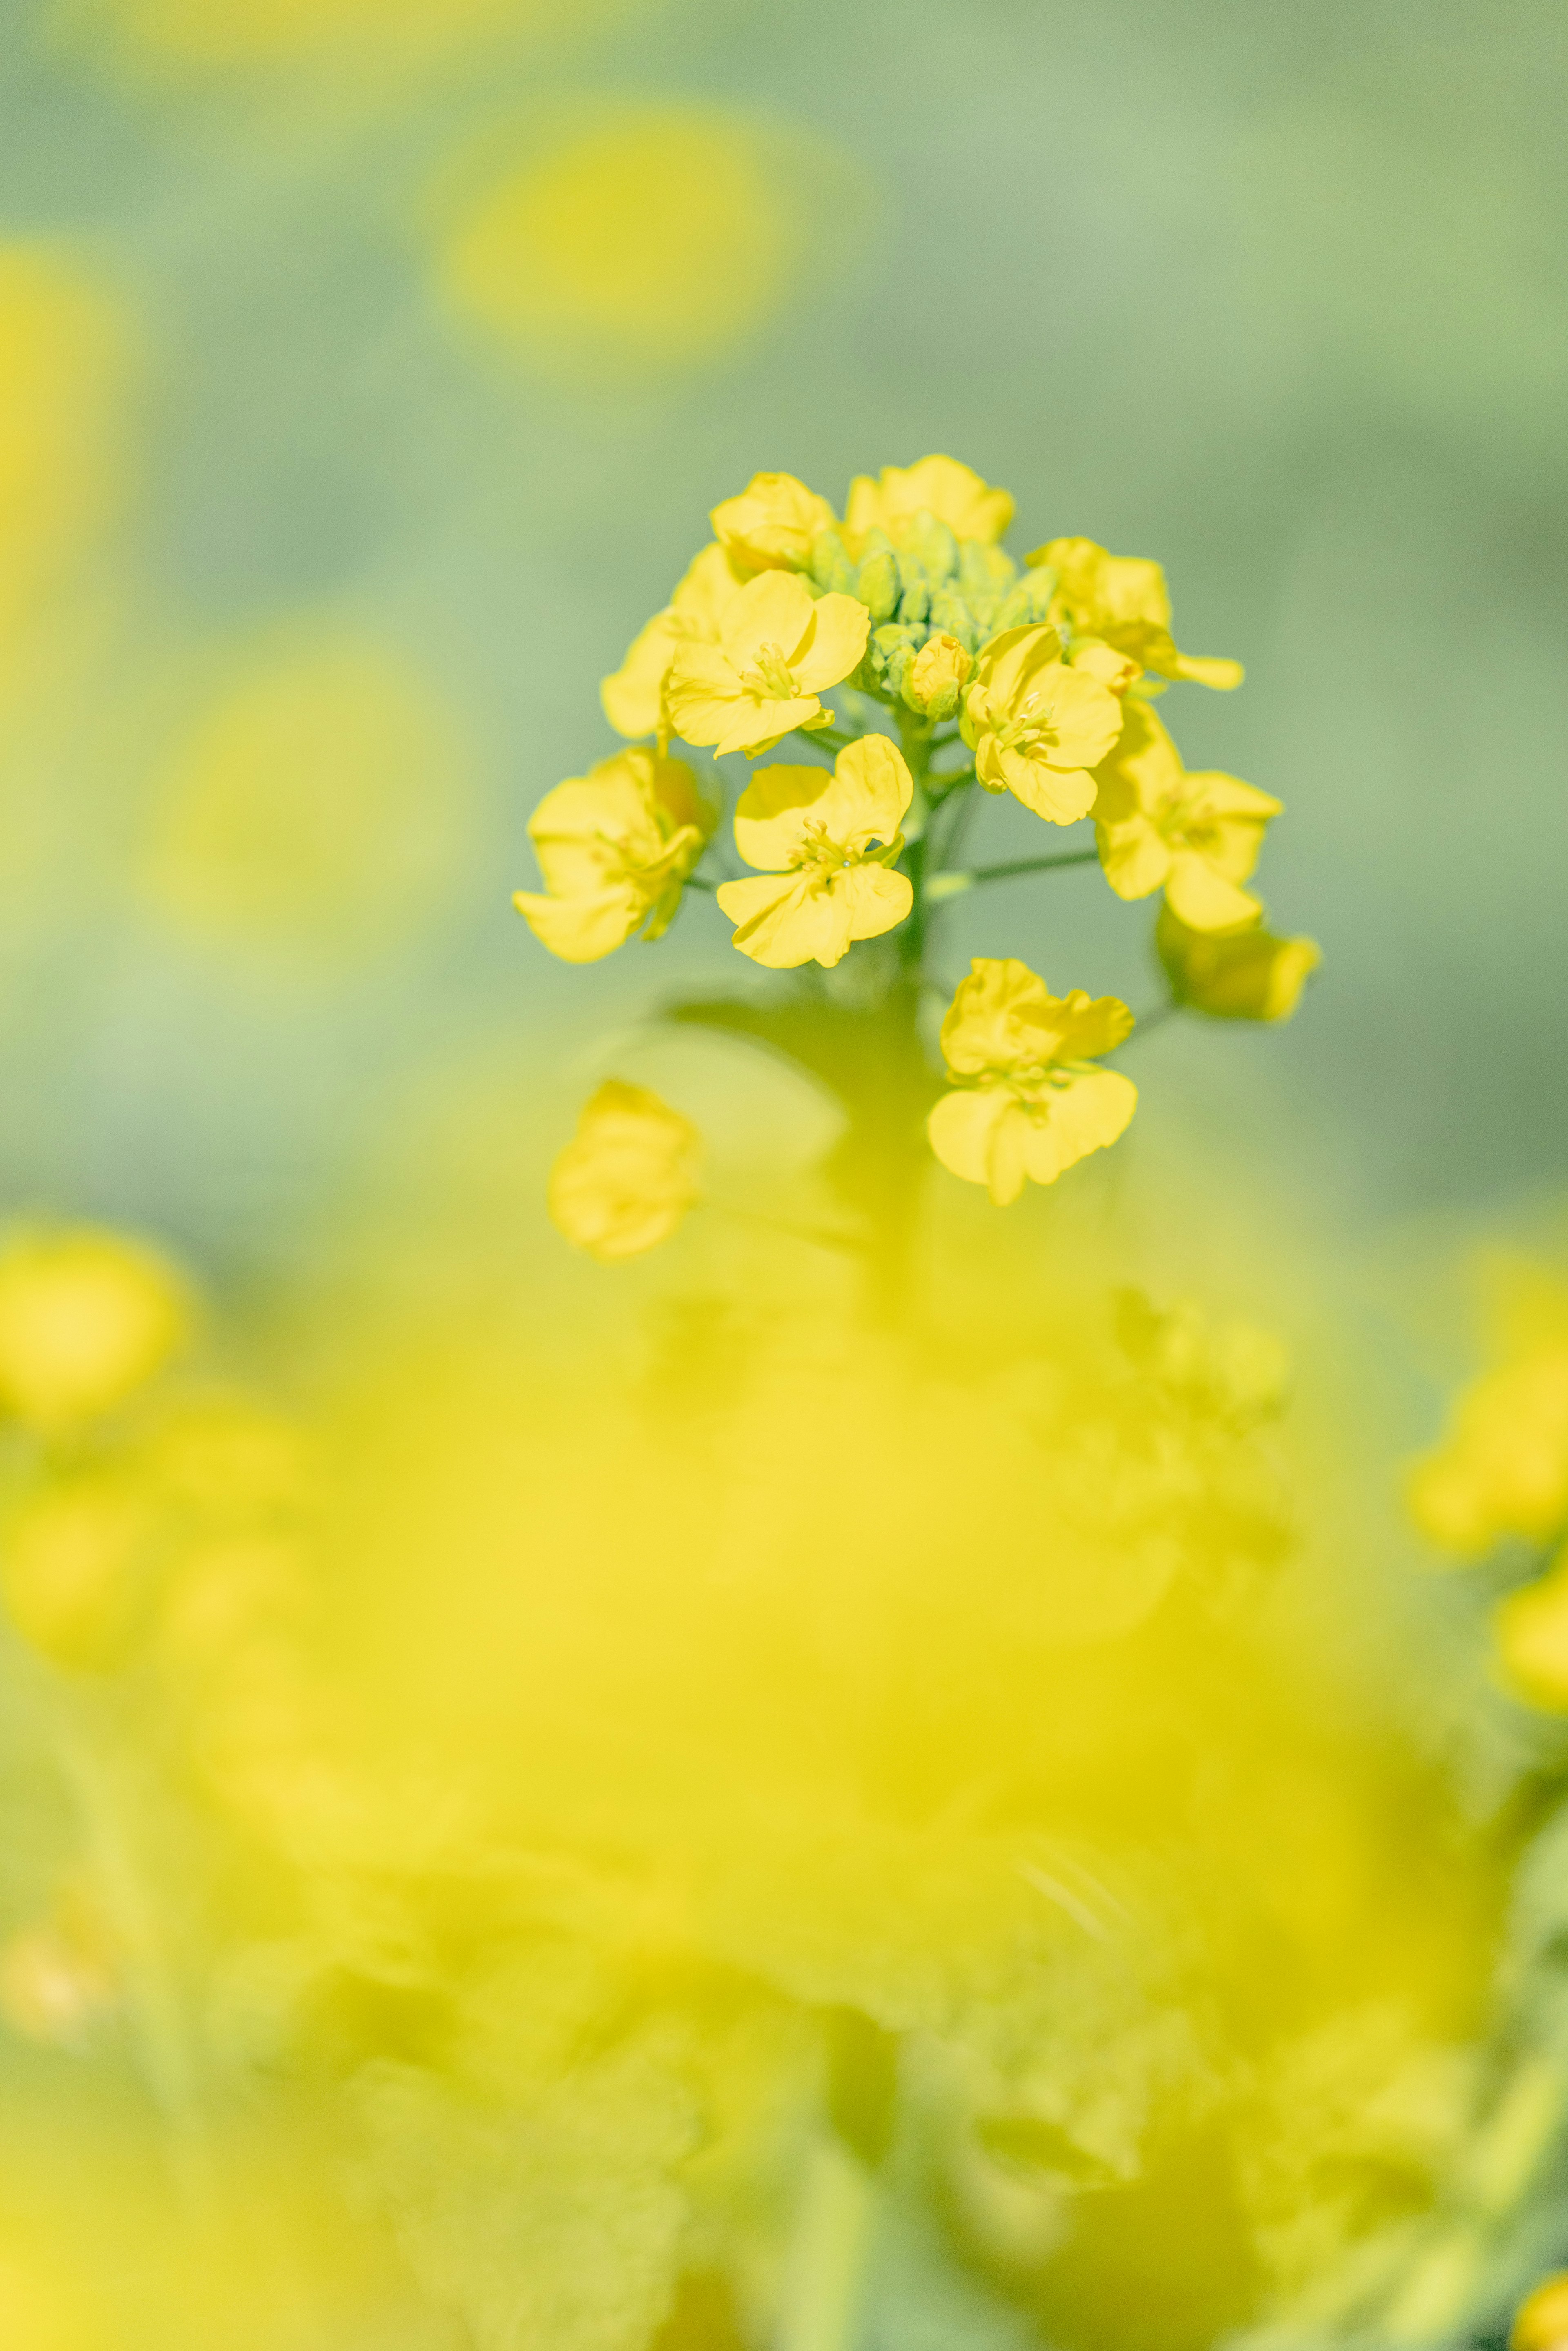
x=956, y=674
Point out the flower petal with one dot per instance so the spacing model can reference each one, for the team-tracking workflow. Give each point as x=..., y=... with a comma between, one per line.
x=1136, y=857
x=832, y=645
x=1204, y=900
x=1001, y=1018
x=977, y=1133
x=584, y=929
x=785, y=920
x=875, y=898
x=1060, y=795
x=773, y=610
x=1094, y=1109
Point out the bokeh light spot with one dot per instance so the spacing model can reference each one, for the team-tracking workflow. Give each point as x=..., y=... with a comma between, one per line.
x=320, y=805
x=649, y=238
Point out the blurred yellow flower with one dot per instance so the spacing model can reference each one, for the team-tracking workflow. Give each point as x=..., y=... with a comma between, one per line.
x=614, y=847
x=778, y=649
x=58, y=1979
x=63, y=362
x=940, y=671
x=1247, y=975
x=1123, y=601
x=250, y=33
x=1027, y=1102
x=1531, y=1630
x=635, y=696
x=317, y=810
x=953, y=492
x=771, y=523
x=1198, y=835
x=85, y=1320
x=1502, y=1466
x=640, y=239
x=627, y=1178
x=812, y=831
x=75, y=1560
x=1540, y=2322
x=1036, y=726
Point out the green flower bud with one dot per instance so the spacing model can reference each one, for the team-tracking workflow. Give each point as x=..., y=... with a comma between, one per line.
x=831, y=567
x=878, y=585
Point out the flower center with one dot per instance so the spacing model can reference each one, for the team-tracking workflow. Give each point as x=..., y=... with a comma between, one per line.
x=819, y=851
x=770, y=677
x=1029, y=727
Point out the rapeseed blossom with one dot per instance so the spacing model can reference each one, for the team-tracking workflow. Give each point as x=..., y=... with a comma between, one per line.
x=1038, y=727
x=1122, y=601
x=952, y=493
x=614, y=847
x=635, y=695
x=1245, y=975
x=1158, y=826
x=826, y=843
x=773, y=524
x=1027, y=1101
x=627, y=1178
x=777, y=649
x=939, y=643
x=86, y=1319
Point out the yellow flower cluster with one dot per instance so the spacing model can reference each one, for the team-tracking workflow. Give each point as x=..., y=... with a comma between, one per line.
x=957, y=673
x=1501, y=1472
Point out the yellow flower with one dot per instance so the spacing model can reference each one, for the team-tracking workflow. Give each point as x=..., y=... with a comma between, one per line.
x=84, y=1319
x=1502, y=1468
x=77, y=1558
x=614, y=847
x=953, y=492
x=1037, y=726
x=938, y=674
x=812, y=831
x=634, y=695
x=1123, y=601
x=1531, y=1629
x=1196, y=835
x=777, y=649
x=1026, y=1103
x=1235, y=975
x=629, y=1175
x=772, y=524
x=1540, y=2322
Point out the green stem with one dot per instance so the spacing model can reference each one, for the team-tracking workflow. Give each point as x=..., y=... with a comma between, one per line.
x=950, y=885
x=824, y=2286
x=1145, y=1022
x=164, y=2051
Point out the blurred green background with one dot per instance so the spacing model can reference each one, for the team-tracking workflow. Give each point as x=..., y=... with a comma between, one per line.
x=366, y=374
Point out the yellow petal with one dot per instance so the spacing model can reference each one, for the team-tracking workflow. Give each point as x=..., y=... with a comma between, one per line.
x=876, y=898
x=772, y=522
x=771, y=613
x=585, y=927
x=85, y=1320
x=632, y=695
x=628, y=1178
x=710, y=587
x=979, y=1134
x=1235, y=975
x=1088, y=1025
x=833, y=643
x=1135, y=857
x=1204, y=900
x=1084, y=716
x=705, y=693
x=756, y=726
x=1000, y=1018
x=938, y=485
x=1094, y=1109
x=1060, y=795
x=1208, y=669
x=786, y=920
x=1530, y=1627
